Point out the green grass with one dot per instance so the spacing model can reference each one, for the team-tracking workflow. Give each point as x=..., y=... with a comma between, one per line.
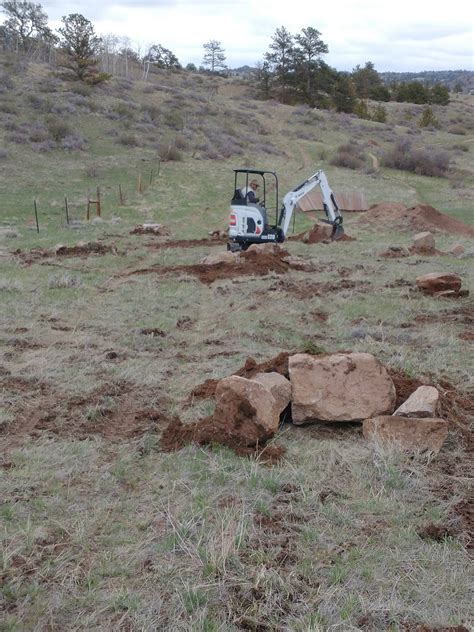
x=110, y=532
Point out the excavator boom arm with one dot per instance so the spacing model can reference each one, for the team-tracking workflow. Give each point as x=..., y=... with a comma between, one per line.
x=292, y=198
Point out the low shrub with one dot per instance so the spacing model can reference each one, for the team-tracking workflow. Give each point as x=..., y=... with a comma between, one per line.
x=424, y=162
x=58, y=128
x=459, y=130
x=169, y=152
x=350, y=155
x=128, y=140
x=7, y=108
x=64, y=280
x=73, y=142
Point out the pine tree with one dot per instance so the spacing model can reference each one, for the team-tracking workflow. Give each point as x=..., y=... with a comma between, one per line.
x=214, y=57
x=80, y=46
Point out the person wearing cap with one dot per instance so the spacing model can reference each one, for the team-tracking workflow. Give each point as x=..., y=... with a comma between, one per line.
x=249, y=193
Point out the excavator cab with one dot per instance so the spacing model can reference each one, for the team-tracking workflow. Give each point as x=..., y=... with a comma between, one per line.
x=249, y=220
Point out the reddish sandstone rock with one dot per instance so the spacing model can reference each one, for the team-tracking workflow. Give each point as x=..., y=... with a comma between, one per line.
x=278, y=386
x=408, y=433
x=422, y=403
x=456, y=250
x=423, y=243
x=220, y=257
x=246, y=411
x=435, y=282
x=339, y=387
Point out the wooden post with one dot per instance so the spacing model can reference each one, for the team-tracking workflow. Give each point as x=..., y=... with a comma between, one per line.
x=36, y=216
x=98, y=202
x=151, y=177
x=67, y=209
x=88, y=211
x=159, y=165
x=139, y=183
x=121, y=198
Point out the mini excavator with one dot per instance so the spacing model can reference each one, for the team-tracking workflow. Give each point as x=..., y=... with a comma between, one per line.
x=248, y=222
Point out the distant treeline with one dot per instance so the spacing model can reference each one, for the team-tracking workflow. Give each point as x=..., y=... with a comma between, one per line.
x=292, y=71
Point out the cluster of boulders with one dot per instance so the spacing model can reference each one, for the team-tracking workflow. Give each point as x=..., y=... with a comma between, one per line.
x=338, y=387
x=422, y=244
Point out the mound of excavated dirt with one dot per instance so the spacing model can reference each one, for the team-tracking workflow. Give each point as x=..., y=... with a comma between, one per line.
x=81, y=249
x=249, y=263
x=420, y=218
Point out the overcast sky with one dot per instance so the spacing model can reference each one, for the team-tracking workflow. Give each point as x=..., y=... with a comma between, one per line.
x=405, y=35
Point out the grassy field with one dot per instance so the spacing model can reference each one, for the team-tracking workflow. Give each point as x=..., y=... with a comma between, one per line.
x=101, y=529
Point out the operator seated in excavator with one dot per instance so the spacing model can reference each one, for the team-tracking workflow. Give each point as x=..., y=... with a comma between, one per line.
x=248, y=195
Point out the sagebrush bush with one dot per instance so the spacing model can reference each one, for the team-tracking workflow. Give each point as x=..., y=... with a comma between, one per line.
x=422, y=161
x=460, y=130
x=169, y=152
x=128, y=140
x=350, y=155
x=58, y=128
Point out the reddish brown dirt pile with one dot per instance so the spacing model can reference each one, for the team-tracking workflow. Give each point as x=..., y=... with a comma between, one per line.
x=278, y=364
x=114, y=411
x=85, y=250
x=149, y=229
x=318, y=236
x=420, y=218
x=252, y=262
x=417, y=627
x=79, y=250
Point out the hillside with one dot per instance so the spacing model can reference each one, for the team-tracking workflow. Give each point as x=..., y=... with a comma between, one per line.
x=134, y=495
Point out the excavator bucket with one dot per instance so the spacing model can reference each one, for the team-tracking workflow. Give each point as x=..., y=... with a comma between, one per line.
x=337, y=231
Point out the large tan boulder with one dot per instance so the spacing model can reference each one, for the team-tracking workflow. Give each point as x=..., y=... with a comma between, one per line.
x=339, y=387
x=217, y=258
x=407, y=433
x=278, y=386
x=246, y=412
x=435, y=282
x=424, y=243
x=422, y=403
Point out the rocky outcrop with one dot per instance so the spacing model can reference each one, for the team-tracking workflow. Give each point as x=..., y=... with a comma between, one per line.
x=435, y=283
x=422, y=403
x=417, y=434
x=339, y=387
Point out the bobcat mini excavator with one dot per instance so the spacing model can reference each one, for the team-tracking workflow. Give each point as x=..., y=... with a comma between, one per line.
x=248, y=220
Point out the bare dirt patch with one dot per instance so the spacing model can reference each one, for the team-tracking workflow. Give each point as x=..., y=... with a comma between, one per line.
x=420, y=218
x=187, y=243
x=113, y=410
x=250, y=263
x=88, y=249
x=305, y=289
